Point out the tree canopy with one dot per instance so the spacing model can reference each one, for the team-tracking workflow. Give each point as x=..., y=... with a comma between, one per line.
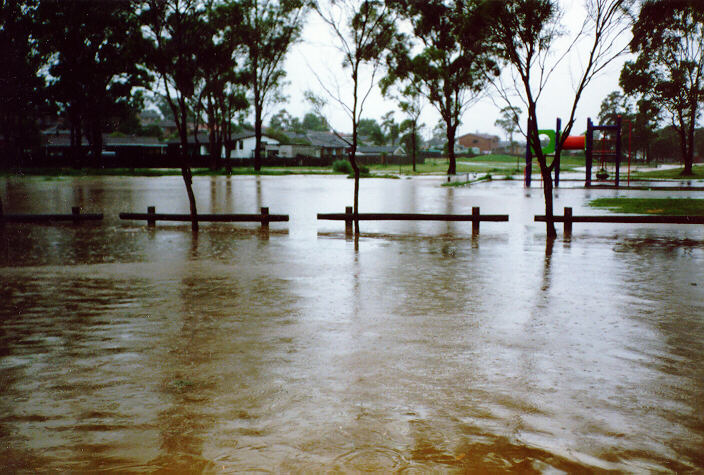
x=456, y=55
x=668, y=38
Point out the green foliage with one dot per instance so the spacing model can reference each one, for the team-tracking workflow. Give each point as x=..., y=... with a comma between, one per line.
x=278, y=135
x=342, y=166
x=668, y=38
x=391, y=128
x=22, y=92
x=97, y=59
x=455, y=59
x=509, y=121
x=315, y=122
x=268, y=30
x=370, y=128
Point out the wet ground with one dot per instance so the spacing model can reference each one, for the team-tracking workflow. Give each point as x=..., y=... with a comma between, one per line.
x=419, y=348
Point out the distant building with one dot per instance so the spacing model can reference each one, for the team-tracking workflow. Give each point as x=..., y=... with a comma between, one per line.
x=244, y=143
x=484, y=142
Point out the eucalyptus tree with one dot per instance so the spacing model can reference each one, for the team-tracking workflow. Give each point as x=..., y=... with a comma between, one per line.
x=454, y=57
x=363, y=30
x=269, y=29
x=668, y=38
x=313, y=121
x=410, y=101
x=22, y=90
x=221, y=84
x=391, y=128
x=526, y=32
x=509, y=122
x=179, y=35
x=96, y=57
x=641, y=117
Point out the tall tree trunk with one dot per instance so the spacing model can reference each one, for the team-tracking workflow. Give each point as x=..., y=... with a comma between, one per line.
x=547, y=192
x=452, y=169
x=413, y=146
x=689, y=151
x=257, y=136
x=185, y=167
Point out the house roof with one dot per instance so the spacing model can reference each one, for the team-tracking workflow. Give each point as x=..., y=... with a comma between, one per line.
x=326, y=140
x=481, y=136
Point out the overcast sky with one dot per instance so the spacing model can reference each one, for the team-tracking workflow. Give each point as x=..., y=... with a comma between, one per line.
x=316, y=54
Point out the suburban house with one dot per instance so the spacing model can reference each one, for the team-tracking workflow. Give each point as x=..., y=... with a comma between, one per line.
x=243, y=144
x=328, y=144
x=479, y=143
x=379, y=150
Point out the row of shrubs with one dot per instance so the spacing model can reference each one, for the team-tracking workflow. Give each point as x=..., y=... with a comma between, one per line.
x=344, y=166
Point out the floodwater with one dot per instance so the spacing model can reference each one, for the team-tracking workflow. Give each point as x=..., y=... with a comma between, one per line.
x=418, y=348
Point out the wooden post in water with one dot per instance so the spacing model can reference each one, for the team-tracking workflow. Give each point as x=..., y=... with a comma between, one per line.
x=76, y=213
x=568, y=221
x=265, y=219
x=151, y=220
x=348, y=220
x=475, y=220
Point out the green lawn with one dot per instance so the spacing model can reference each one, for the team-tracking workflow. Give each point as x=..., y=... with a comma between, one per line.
x=665, y=206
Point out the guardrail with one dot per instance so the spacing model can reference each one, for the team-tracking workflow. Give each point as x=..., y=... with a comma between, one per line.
x=348, y=217
x=76, y=216
x=568, y=218
x=151, y=216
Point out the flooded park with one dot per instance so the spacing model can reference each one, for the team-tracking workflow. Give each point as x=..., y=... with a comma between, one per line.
x=417, y=348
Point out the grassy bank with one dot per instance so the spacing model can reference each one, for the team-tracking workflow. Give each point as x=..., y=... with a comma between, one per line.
x=664, y=206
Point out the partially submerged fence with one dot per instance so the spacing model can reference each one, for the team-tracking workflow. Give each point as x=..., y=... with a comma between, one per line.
x=76, y=217
x=568, y=218
x=348, y=217
x=151, y=216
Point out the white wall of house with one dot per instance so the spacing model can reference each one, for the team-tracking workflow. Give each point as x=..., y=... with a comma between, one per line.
x=244, y=148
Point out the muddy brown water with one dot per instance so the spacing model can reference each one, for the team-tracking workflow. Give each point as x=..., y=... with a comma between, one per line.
x=418, y=348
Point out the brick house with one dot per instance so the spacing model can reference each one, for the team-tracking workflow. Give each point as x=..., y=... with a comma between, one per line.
x=484, y=142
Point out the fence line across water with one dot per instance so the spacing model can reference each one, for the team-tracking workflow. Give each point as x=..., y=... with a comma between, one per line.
x=76, y=216
x=348, y=217
x=151, y=216
x=568, y=218
x=264, y=218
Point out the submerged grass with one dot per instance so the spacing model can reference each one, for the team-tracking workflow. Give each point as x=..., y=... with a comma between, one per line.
x=664, y=206
x=670, y=174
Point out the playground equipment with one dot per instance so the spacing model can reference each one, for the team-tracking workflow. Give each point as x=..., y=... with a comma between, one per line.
x=608, y=151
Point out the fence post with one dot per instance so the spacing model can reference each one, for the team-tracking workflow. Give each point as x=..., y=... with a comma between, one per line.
x=265, y=218
x=568, y=220
x=348, y=220
x=475, y=220
x=76, y=213
x=151, y=219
